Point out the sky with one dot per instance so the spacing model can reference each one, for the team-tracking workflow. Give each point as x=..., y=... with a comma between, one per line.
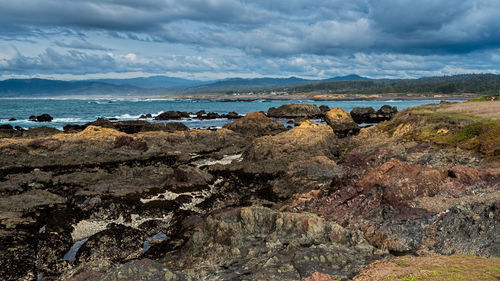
x=215, y=39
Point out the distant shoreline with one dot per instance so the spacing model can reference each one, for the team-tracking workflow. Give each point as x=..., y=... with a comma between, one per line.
x=264, y=97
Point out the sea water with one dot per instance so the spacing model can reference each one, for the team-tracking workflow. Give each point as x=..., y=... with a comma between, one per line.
x=80, y=111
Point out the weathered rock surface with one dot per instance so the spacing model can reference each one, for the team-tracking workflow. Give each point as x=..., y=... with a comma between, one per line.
x=341, y=123
x=270, y=154
x=256, y=125
x=295, y=111
x=257, y=243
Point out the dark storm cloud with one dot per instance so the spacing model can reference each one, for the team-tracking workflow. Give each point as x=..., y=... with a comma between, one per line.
x=276, y=28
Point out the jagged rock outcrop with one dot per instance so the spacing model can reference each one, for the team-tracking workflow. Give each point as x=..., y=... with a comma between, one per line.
x=256, y=124
x=294, y=110
x=341, y=123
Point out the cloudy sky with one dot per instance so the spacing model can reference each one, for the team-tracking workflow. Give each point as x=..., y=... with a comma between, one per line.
x=207, y=39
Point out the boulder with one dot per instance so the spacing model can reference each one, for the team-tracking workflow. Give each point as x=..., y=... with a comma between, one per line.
x=172, y=115
x=232, y=115
x=12, y=119
x=144, y=116
x=256, y=124
x=41, y=118
x=295, y=111
x=363, y=115
x=210, y=115
x=386, y=112
x=341, y=123
x=368, y=114
x=271, y=154
x=324, y=108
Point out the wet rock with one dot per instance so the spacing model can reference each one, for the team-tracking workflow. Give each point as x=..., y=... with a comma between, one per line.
x=341, y=123
x=257, y=243
x=293, y=110
x=144, y=116
x=271, y=154
x=208, y=116
x=256, y=125
x=117, y=243
x=41, y=118
x=172, y=115
x=231, y=115
x=12, y=119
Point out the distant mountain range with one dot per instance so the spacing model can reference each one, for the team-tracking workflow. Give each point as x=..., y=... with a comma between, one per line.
x=165, y=86
x=146, y=86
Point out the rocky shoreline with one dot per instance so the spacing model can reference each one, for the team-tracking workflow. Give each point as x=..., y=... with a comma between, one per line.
x=253, y=200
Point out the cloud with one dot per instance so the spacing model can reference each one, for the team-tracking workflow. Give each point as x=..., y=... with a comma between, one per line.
x=81, y=45
x=298, y=37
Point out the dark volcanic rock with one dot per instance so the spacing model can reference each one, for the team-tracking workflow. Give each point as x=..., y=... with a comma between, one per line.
x=41, y=118
x=256, y=125
x=341, y=123
x=144, y=116
x=468, y=228
x=116, y=243
x=12, y=119
x=363, y=115
x=295, y=111
x=72, y=128
x=368, y=114
x=172, y=115
x=231, y=115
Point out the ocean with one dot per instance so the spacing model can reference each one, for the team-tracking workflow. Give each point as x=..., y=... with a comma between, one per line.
x=81, y=111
